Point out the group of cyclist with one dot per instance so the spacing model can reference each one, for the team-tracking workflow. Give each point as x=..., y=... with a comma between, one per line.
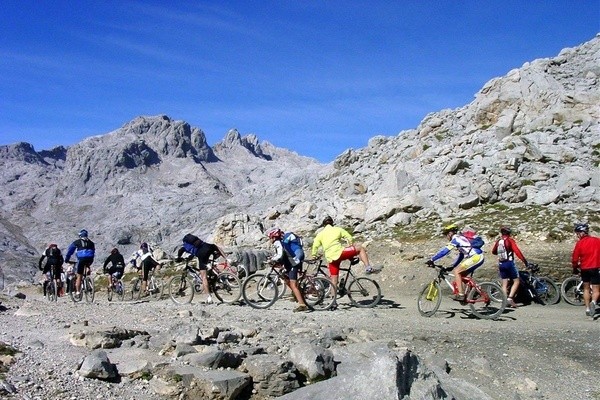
x=337, y=245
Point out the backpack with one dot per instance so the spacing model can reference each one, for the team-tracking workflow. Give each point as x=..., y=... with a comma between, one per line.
x=193, y=240
x=502, y=251
x=53, y=252
x=474, y=239
x=296, y=240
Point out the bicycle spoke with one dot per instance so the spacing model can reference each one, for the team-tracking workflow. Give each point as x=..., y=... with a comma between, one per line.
x=429, y=299
x=259, y=291
x=181, y=289
x=227, y=287
x=487, y=301
x=364, y=292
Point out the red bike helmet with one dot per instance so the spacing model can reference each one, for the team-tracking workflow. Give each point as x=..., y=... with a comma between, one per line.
x=275, y=233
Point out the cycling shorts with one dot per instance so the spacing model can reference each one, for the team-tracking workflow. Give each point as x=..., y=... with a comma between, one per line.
x=469, y=265
x=591, y=275
x=148, y=264
x=56, y=270
x=83, y=263
x=348, y=253
x=293, y=271
x=508, y=270
x=204, y=252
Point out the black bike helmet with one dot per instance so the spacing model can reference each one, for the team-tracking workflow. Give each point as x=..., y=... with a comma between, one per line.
x=505, y=230
x=327, y=221
x=581, y=227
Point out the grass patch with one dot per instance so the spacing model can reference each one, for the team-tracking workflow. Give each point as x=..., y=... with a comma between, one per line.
x=7, y=350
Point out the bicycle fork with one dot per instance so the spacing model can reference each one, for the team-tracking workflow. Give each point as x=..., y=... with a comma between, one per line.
x=432, y=291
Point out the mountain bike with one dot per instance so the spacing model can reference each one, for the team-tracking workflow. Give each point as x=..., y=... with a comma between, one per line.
x=571, y=290
x=486, y=300
x=224, y=284
x=52, y=287
x=154, y=286
x=115, y=286
x=87, y=286
x=362, y=292
x=539, y=289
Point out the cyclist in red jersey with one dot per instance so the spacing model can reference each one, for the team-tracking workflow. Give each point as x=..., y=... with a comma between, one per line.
x=586, y=262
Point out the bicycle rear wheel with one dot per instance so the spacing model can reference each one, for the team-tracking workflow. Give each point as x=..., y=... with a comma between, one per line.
x=136, y=289
x=429, y=299
x=181, y=289
x=156, y=287
x=547, y=290
x=260, y=291
x=227, y=287
x=318, y=292
x=52, y=291
x=488, y=301
x=88, y=289
x=120, y=290
x=571, y=291
x=364, y=292
x=109, y=293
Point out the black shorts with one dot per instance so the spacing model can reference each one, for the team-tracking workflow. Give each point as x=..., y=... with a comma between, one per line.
x=147, y=265
x=204, y=253
x=591, y=275
x=83, y=263
x=56, y=270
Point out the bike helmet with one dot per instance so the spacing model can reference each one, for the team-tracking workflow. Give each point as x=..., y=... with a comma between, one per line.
x=327, y=221
x=83, y=233
x=581, y=227
x=144, y=246
x=449, y=228
x=114, y=251
x=275, y=233
x=52, y=245
x=505, y=230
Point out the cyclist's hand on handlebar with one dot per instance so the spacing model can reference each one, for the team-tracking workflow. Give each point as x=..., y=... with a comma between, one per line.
x=430, y=263
x=576, y=270
x=448, y=269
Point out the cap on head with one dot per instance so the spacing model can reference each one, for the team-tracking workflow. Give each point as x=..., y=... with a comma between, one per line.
x=327, y=221
x=505, y=230
x=83, y=233
x=581, y=227
x=450, y=228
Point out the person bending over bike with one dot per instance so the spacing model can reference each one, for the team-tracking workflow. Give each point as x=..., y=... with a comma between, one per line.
x=468, y=260
x=333, y=240
x=506, y=249
x=117, y=267
x=84, y=250
x=204, y=251
x=586, y=262
x=54, y=263
x=285, y=256
x=147, y=264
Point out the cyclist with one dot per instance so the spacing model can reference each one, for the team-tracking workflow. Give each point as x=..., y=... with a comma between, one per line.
x=506, y=249
x=204, y=251
x=84, y=250
x=147, y=264
x=285, y=256
x=586, y=262
x=117, y=267
x=54, y=263
x=468, y=260
x=331, y=238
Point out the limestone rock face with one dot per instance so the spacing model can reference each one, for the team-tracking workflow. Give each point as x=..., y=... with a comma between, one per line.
x=529, y=138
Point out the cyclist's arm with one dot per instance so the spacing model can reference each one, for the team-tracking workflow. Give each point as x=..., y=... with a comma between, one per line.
x=278, y=251
x=515, y=249
x=443, y=252
x=40, y=262
x=70, y=252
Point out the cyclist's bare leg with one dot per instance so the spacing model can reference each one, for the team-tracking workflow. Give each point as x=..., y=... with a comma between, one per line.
x=362, y=254
x=204, y=282
x=78, y=283
x=458, y=279
x=144, y=286
x=587, y=295
x=293, y=284
x=596, y=293
x=514, y=288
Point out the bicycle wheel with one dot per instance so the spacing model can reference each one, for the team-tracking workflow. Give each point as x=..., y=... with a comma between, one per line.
x=227, y=287
x=429, y=299
x=156, y=287
x=318, y=292
x=572, y=291
x=88, y=289
x=73, y=291
x=52, y=291
x=181, y=289
x=260, y=291
x=136, y=289
x=364, y=292
x=487, y=301
x=547, y=290
x=109, y=293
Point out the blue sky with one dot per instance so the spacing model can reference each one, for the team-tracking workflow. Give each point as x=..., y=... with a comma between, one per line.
x=316, y=77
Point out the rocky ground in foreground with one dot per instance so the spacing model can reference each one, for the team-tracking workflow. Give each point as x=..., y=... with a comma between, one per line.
x=533, y=352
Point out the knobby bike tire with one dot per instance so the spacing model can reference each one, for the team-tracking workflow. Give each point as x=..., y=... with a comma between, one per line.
x=109, y=292
x=318, y=292
x=89, y=289
x=136, y=288
x=551, y=294
x=181, y=289
x=120, y=289
x=227, y=287
x=260, y=291
x=364, y=292
x=570, y=292
x=51, y=291
x=156, y=287
x=74, y=297
x=489, y=303
x=430, y=298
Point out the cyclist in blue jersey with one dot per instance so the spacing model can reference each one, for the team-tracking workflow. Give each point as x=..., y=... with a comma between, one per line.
x=469, y=258
x=84, y=250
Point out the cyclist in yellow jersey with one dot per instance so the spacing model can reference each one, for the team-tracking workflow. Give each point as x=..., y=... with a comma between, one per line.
x=331, y=238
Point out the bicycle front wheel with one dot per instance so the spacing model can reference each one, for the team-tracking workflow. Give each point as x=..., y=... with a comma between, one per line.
x=318, y=292
x=571, y=291
x=364, y=292
x=120, y=290
x=260, y=291
x=487, y=301
x=227, y=287
x=52, y=291
x=109, y=293
x=547, y=290
x=429, y=299
x=157, y=286
x=181, y=289
x=88, y=289
x=136, y=289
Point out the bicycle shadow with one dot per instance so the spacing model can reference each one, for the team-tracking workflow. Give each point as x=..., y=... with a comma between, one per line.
x=391, y=304
x=465, y=313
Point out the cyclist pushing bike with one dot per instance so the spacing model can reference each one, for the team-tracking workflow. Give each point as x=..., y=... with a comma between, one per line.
x=84, y=250
x=469, y=258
